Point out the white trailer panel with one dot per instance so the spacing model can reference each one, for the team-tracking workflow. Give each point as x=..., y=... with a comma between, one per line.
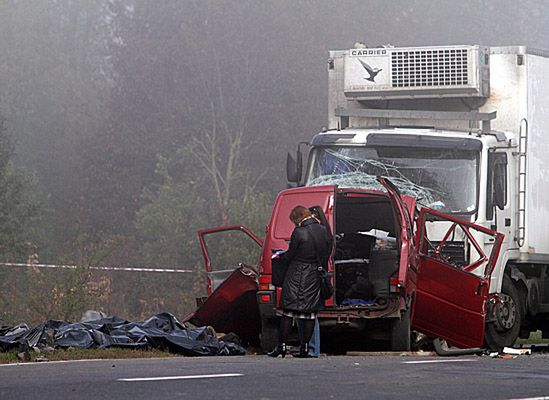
x=537, y=158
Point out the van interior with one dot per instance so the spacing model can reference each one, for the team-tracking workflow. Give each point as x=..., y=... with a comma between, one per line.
x=366, y=254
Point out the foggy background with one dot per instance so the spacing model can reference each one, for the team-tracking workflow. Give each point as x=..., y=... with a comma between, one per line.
x=129, y=125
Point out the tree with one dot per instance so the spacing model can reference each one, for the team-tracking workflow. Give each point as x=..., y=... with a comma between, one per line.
x=18, y=205
x=18, y=223
x=167, y=225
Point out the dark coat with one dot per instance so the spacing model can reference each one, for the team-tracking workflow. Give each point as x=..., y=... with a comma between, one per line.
x=301, y=288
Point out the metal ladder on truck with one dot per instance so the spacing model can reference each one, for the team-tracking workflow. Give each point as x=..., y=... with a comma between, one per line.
x=521, y=211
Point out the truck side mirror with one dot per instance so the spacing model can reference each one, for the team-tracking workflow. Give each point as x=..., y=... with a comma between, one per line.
x=291, y=169
x=497, y=182
x=294, y=168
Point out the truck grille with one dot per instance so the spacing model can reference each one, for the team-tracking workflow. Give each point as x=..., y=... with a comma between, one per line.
x=437, y=67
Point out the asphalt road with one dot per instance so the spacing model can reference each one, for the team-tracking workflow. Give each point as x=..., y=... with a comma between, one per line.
x=261, y=377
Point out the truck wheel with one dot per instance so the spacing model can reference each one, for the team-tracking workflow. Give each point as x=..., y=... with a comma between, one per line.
x=269, y=334
x=508, y=316
x=400, y=333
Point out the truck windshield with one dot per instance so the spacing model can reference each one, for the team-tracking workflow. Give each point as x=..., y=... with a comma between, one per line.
x=443, y=179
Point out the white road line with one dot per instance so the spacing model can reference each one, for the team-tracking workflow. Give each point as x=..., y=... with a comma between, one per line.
x=437, y=361
x=172, y=378
x=64, y=362
x=533, y=398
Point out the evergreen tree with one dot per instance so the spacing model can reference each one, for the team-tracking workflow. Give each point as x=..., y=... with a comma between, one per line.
x=18, y=205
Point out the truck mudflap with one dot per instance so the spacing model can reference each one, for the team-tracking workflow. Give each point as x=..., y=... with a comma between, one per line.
x=232, y=307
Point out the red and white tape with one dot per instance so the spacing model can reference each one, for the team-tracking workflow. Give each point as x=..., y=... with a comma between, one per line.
x=111, y=268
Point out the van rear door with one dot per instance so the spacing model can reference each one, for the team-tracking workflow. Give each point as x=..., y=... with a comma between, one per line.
x=403, y=206
x=452, y=286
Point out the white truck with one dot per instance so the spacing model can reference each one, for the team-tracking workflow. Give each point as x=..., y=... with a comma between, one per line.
x=464, y=130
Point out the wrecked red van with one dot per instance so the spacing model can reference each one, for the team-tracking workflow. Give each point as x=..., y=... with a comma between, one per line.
x=395, y=269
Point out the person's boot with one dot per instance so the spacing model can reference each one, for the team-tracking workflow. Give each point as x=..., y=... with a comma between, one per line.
x=303, y=351
x=279, y=350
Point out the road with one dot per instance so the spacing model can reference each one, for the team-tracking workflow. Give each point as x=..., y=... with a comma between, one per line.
x=261, y=377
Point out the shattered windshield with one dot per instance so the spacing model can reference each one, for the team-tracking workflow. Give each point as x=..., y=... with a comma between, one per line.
x=443, y=179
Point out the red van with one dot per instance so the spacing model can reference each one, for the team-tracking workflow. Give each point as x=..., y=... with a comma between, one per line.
x=394, y=268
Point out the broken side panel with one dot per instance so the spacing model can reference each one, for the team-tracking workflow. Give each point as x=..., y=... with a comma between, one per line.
x=230, y=254
x=232, y=307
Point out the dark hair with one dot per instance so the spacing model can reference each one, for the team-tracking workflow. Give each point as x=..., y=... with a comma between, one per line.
x=298, y=214
x=318, y=213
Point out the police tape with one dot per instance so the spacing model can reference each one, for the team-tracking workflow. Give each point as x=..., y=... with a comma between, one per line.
x=110, y=268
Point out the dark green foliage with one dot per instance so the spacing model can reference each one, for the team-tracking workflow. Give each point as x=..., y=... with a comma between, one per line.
x=18, y=204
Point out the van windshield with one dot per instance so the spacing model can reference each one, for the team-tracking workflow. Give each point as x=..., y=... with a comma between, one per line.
x=443, y=179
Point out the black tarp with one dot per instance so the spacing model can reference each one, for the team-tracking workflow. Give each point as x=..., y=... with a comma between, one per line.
x=162, y=331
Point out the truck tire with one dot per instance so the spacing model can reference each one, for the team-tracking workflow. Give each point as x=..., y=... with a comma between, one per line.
x=503, y=332
x=400, y=332
x=269, y=334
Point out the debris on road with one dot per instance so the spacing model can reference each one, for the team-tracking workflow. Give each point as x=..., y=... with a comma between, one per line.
x=498, y=355
x=519, y=352
x=510, y=352
x=162, y=331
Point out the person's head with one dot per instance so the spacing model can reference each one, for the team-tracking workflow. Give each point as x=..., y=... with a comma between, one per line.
x=298, y=214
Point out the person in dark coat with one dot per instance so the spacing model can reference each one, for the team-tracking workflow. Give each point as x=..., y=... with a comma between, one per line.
x=308, y=249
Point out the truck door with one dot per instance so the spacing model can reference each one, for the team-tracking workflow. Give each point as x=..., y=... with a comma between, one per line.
x=452, y=285
x=224, y=249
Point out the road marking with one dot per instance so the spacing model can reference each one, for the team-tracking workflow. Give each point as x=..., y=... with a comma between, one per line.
x=63, y=362
x=533, y=398
x=436, y=361
x=172, y=378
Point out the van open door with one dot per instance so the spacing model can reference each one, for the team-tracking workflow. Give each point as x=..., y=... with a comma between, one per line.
x=224, y=249
x=453, y=278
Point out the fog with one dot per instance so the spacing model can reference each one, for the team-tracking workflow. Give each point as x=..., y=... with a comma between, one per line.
x=139, y=122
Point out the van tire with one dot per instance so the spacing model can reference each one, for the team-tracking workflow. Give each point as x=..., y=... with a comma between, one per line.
x=400, y=333
x=269, y=334
x=503, y=332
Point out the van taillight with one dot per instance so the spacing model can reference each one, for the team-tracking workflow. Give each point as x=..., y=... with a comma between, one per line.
x=394, y=285
x=265, y=282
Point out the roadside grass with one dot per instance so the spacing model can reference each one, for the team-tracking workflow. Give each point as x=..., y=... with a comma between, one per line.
x=84, y=354
x=535, y=338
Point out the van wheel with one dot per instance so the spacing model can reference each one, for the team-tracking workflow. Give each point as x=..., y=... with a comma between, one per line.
x=504, y=330
x=400, y=332
x=269, y=334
